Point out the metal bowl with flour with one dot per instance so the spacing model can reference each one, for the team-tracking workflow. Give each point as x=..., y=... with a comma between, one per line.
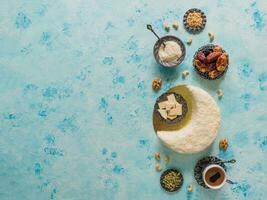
x=162, y=41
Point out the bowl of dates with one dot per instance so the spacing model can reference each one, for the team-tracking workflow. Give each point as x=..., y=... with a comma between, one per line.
x=211, y=61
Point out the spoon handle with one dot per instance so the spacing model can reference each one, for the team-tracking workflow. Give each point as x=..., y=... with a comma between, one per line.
x=230, y=182
x=149, y=27
x=229, y=161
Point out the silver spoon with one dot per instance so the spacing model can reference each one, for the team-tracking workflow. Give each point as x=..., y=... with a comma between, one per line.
x=149, y=27
x=232, y=161
x=229, y=181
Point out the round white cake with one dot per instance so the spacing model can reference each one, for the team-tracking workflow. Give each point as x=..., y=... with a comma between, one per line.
x=201, y=127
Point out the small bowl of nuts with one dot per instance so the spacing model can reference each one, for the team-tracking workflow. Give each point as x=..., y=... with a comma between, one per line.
x=194, y=20
x=211, y=62
x=171, y=180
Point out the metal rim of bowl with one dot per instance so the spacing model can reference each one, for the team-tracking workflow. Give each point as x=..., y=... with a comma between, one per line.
x=166, y=172
x=157, y=46
x=205, y=74
x=194, y=30
x=162, y=98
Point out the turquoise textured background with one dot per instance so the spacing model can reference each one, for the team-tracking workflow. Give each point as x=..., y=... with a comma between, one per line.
x=76, y=98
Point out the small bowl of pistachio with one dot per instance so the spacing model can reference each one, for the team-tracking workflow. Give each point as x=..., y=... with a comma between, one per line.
x=171, y=180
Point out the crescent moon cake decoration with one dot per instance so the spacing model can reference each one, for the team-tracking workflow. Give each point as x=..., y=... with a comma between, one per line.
x=199, y=127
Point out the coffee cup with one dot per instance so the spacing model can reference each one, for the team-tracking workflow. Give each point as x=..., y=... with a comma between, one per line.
x=214, y=176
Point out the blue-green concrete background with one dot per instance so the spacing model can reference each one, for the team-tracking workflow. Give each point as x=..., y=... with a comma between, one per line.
x=76, y=98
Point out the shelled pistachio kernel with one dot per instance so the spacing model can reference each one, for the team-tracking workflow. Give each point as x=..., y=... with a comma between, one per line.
x=157, y=156
x=211, y=36
x=223, y=145
x=220, y=93
x=175, y=25
x=190, y=188
x=156, y=84
x=157, y=167
x=166, y=26
x=167, y=159
x=189, y=40
x=185, y=74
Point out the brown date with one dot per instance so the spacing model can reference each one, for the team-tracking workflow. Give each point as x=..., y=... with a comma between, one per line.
x=213, y=74
x=222, y=62
x=201, y=57
x=217, y=49
x=200, y=66
x=212, y=57
x=211, y=67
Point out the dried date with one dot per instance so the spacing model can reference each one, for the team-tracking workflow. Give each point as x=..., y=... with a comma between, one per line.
x=200, y=66
x=211, y=66
x=212, y=57
x=201, y=57
x=214, y=74
x=217, y=49
x=222, y=62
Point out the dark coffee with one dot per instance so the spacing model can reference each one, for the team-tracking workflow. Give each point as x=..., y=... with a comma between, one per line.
x=214, y=176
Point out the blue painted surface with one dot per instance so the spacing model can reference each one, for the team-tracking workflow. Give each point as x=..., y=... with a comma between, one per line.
x=76, y=98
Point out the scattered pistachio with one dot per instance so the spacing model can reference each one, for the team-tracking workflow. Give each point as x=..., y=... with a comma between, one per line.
x=211, y=36
x=157, y=167
x=223, y=145
x=189, y=41
x=220, y=93
x=166, y=26
x=175, y=25
x=185, y=74
x=167, y=159
x=156, y=84
x=157, y=156
x=190, y=188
